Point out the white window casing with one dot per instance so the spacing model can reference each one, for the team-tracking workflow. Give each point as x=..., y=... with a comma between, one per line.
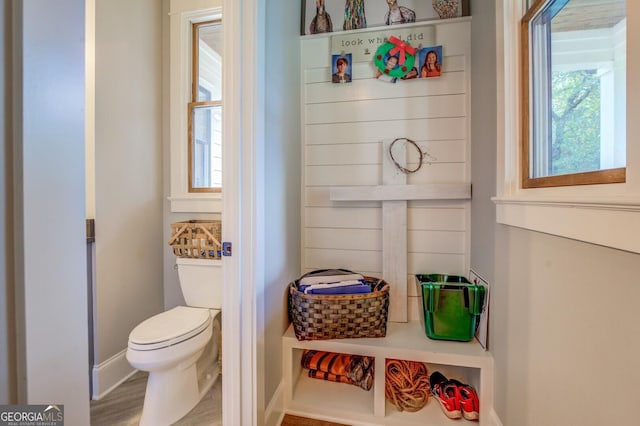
x=183, y=13
x=607, y=215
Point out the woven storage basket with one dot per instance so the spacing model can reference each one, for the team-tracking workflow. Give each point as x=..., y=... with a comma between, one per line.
x=320, y=317
x=196, y=239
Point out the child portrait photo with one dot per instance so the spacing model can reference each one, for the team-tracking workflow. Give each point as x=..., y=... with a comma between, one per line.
x=341, y=68
x=430, y=62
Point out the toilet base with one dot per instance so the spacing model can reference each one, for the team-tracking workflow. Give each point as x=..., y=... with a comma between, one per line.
x=172, y=393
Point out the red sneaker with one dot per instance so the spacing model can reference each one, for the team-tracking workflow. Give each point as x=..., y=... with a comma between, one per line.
x=469, y=403
x=447, y=394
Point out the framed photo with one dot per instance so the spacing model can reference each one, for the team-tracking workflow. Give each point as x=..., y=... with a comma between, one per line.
x=341, y=68
x=430, y=63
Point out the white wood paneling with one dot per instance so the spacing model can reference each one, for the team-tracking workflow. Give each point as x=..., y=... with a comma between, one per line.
x=370, y=174
x=344, y=127
x=356, y=260
x=375, y=131
x=368, y=88
x=342, y=154
x=442, y=242
x=450, y=219
x=385, y=109
x=344, y=217
x=440, y=173
x=443, y=151
x=420, y=263
x=349, y=239
x=371, y=260
x=315, y=52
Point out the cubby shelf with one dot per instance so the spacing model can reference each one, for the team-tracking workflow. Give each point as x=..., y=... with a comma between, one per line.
x=342, y=403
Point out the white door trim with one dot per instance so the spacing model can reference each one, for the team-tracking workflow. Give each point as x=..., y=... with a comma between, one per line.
x=242, y=207
x=231, y=215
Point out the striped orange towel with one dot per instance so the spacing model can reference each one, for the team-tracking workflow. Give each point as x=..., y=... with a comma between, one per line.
x=315, y=374
x=356, y=368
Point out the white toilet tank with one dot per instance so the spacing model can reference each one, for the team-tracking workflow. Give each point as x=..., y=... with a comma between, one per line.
x=201, y=282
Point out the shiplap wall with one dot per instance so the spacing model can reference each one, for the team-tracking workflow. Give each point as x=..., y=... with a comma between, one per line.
x=342, y=133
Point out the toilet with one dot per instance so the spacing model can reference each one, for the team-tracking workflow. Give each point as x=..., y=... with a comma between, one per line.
x=179, y=347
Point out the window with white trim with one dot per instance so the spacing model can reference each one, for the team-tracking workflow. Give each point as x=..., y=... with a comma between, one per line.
x=605, y=214
x=195, y=105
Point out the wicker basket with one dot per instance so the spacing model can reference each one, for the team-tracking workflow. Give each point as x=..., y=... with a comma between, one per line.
x=320, y=317
x=197, y=239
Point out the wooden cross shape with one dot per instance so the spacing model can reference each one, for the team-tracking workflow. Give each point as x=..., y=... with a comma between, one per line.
x=394, y=194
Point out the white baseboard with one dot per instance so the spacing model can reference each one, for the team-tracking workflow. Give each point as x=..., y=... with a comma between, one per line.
x=494, y=419
x=274, y=414
x=109, y=374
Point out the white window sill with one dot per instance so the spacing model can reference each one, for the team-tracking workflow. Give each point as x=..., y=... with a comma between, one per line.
x=194, y=204
x=609, y=223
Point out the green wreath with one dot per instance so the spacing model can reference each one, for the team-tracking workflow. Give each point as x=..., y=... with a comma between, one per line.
x=399, y=70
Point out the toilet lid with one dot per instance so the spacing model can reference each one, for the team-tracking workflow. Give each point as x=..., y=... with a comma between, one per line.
x=175, y=324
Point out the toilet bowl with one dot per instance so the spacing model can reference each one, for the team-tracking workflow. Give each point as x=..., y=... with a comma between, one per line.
x=179, y=347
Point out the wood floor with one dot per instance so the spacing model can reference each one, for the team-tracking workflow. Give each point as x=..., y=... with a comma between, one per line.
x=301, y=421
x=123, y=406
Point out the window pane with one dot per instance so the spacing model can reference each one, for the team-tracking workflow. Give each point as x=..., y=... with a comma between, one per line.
x=575, y=122
x=209, y=62
x=578, y=84
x=206, y=147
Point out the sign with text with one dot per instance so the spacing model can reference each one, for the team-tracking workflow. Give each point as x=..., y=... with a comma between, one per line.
x=32, y=415
x=363, y=44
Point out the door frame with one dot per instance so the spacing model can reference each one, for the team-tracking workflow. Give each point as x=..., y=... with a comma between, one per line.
x=243, y=207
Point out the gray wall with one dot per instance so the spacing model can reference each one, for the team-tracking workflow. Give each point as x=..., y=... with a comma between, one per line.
x=282, y=179
x=128, y=188
x=128, y=170
x=563, y=323
x=7, y=338
x=483, y=137
x=565, y=331
x=49, y=200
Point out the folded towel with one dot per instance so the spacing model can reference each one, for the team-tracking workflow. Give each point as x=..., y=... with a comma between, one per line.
x=351, y=366
x=329, y=362
x=361, y=288
x=325, y=279
x=357, y=368
x=315, y=374
x=327, y=287
x=366, y=383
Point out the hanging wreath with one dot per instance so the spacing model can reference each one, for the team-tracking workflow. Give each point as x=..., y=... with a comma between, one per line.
x=395, y=58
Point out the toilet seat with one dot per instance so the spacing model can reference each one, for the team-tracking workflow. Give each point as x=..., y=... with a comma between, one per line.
x=169, y=328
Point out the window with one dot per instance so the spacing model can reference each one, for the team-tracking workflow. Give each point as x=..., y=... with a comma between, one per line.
x=195, y=105
x=574, y=85
x=604, y=214
x=205, y=108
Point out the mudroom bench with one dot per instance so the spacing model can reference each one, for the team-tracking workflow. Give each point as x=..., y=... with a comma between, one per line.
x=343, y=403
